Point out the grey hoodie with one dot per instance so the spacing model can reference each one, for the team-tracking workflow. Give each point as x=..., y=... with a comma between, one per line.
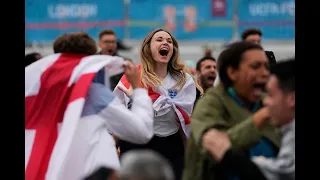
x=283, y=167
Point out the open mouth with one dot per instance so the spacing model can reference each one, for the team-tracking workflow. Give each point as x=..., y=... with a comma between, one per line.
x=259, y=85
x=211, y=78
x=259, y=88
x=164, y=51
x=110, y=51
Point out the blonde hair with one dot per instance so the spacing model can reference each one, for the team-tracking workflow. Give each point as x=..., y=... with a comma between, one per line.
x=175, y=66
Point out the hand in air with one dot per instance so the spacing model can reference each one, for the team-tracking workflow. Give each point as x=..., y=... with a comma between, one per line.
x=133, y=76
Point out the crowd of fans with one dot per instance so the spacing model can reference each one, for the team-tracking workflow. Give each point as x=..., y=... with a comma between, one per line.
x=230, y=117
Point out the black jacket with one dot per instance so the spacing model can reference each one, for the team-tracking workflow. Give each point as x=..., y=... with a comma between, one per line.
x=239, y=164
x=198, y=95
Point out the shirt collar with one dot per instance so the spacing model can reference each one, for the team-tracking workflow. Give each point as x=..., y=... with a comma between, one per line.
x=234, y=96
x=288, y=127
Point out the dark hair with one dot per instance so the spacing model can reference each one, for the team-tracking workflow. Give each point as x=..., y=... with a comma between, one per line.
x=30, y=58
x=76, y=42
x=106, y=32
x=271, y=57
x=251, y=31
x=198, y=66
x=231, y=57
x=103, y=173
x=284, y=71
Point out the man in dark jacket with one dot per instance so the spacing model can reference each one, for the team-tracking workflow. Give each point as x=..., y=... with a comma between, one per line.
x=206, y=70
x=108, y=46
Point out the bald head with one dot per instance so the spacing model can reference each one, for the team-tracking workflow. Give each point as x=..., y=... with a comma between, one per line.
x=145, y=165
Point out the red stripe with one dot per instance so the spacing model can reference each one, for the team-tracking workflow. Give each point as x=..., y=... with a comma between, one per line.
x=78, y=89
x=184, y=115
x=46, y=109
x=120, y=23
x=125, y=81
x=266, y=23
x=154, y=96
x=68, y=25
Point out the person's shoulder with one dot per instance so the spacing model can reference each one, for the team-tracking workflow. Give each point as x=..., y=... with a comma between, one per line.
x=211, y=96
x=214, y=96
x=189, y=76
x=216, y=91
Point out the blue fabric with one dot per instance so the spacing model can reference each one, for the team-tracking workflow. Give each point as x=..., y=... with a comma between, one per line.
x=264, y=147
x=98, y=97
x=234, y=96
x=99, y=78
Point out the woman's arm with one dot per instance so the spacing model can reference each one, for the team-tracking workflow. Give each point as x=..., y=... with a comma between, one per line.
x=211, y=113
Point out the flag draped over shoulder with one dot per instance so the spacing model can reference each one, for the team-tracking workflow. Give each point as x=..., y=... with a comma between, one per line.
x=55, y=90
x=182, y=103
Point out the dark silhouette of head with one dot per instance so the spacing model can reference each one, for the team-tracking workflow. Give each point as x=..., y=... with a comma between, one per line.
x=31, y=58
x=76, y=42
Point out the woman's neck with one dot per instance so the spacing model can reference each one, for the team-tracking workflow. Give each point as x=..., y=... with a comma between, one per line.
x=161, y=70
x=246, y=103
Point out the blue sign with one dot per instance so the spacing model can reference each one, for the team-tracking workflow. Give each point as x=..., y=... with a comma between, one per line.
x=47, y=19
x=274, y=17
x=186, y=19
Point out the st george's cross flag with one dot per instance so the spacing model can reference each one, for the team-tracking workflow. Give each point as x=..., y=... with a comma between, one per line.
x=55, y=90
x=165, y=98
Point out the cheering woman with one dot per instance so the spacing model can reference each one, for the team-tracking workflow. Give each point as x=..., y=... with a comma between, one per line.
x=173, y=92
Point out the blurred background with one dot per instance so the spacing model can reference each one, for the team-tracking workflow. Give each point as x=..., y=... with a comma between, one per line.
x=197, y=24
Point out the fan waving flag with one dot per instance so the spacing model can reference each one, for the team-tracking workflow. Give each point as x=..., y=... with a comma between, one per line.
x=164, y=99
x=55, y=90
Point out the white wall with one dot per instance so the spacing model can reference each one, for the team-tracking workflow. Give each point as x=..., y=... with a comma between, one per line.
x=190, y=52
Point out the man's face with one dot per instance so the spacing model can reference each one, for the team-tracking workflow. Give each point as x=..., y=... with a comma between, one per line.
x=208, y=73
x=254, y=38
x=281, y=104
x=108, y=44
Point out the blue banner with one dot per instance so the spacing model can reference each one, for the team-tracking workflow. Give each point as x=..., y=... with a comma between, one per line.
x=47, y=19
x=186, y=19
x=274, y=17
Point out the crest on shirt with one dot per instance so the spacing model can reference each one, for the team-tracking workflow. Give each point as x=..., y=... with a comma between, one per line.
x=172, y=93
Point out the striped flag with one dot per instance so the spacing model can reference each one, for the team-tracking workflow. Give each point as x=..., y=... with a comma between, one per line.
x=55, y=92
x=182, y=102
